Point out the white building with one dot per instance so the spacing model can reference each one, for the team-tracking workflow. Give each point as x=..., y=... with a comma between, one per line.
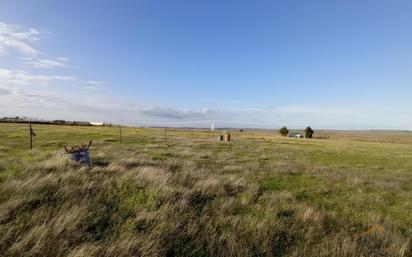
x=96, y=123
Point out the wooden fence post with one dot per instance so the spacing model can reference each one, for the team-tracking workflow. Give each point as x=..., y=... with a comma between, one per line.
x=120, y=134
x=30, y=136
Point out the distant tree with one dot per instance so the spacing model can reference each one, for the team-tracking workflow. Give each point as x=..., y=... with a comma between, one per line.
x=309, y=132
x=284, y=131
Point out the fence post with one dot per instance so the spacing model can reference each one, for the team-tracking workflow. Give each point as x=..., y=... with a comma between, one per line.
x=120, y=134
x=30, y=136
x=165, y=135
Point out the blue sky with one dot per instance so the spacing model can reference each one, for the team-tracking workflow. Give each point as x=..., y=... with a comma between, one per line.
x=328, y=64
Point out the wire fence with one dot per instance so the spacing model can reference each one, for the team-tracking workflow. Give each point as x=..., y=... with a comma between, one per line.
x=52, y=136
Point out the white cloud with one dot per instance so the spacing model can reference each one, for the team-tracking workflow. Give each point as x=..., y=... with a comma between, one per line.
x=24, y=78
x=173, y=113
x=4, y=91
x=62, y=59
x=25, y=89
x=90, y=88
x=95, y=82
x=13, y=37
x=44, y=63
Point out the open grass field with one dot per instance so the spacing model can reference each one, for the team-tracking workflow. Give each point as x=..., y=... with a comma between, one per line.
x=259, y=195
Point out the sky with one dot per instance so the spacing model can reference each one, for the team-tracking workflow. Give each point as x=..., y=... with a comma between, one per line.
x=325, y=63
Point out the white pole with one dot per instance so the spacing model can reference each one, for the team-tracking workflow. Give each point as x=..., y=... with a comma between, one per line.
x=213, y=122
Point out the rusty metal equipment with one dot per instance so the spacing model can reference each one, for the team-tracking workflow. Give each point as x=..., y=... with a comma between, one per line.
x=227, y=137
x=80, y=153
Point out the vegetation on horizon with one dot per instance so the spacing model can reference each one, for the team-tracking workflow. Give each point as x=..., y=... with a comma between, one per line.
x=309, y=132
x=284, y=131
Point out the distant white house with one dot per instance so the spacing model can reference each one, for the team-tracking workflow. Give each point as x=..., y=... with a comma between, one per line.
x=296, y=135
x=96, y=123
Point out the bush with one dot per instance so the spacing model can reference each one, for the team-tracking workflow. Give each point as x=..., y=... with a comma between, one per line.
x=284, y=131
x=309, y=132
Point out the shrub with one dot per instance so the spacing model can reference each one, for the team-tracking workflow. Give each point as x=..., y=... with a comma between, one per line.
x=284, y=131
x=309, y=132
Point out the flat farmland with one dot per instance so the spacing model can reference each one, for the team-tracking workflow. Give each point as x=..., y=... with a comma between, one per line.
x=181, y=193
